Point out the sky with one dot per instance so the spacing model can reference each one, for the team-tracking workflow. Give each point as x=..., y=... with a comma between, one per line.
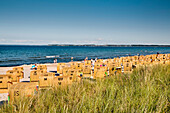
x=41, y=22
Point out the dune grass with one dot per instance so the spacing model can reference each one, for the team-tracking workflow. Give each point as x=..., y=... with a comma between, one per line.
x=147, y=89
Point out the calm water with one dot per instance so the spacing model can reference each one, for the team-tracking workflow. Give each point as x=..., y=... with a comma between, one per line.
x=18, y=55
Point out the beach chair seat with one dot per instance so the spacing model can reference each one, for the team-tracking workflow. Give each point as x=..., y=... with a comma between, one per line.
x=108, y=61
x=73, y=73
x=87, y=69
x=99, y=61
x=127, y=67
x=42, y=67
x=45, y=81
x=135, y=62
x=15, y=75
x=97, y=65
x=154, y=56
x=118, y=64
x=112, y=71
x=34, y=75
x=100, y=69
x=116, y=59
x=10, y=72
x=4, y=79
x=22, y=89
x=18, y=69
x=87, y=62
x=79, y=65
x=64, y=71
x=62, y=81
x=118, y=70
x=101, y=72
x=59, y=65
x=73, y=65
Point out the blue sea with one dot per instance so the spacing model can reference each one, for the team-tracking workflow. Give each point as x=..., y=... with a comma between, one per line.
x=19, y=55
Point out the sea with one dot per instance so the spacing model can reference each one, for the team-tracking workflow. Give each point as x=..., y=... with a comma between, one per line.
x=15, y=55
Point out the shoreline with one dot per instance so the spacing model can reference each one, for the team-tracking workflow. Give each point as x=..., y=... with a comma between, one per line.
x=111, y=45
x=70, y=61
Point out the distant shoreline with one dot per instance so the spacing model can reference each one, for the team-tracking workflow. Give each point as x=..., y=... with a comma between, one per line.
x=93, y=45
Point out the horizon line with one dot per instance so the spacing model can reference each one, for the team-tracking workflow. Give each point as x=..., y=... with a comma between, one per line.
x=66, y=44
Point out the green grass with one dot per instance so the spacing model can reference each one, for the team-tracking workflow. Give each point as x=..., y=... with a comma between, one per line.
x=147, y=89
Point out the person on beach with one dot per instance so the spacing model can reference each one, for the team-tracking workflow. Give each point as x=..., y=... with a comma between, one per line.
x=157, y=54
x=86, y=59
x=71, y=59
x=108, y=71
x=122, y=68
x=34, y=67
x=92, y=62
x=92, y=70
x=95, y=59
x=151, y=59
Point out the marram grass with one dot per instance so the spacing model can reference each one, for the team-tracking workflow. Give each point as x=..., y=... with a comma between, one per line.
x=147, y=89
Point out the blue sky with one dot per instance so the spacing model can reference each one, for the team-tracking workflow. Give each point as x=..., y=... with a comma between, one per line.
x=84, y=21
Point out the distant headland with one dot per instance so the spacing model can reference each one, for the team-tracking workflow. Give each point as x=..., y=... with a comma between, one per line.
x=94, y=45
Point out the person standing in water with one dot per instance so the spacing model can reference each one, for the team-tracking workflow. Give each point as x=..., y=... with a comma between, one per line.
x=71, y=59
x=55, y=60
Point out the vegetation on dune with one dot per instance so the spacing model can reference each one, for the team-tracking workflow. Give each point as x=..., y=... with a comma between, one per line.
x=147, y=89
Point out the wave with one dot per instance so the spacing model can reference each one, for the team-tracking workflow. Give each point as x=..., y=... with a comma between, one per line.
x=11, y=60
x=33, y=57
x=52, y=56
